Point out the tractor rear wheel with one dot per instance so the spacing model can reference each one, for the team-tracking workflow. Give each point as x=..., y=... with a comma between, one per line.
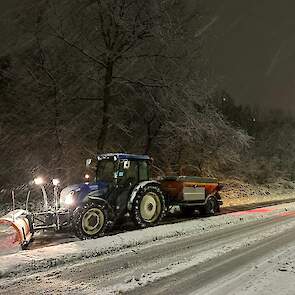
x=90, y=221
x=148, y=206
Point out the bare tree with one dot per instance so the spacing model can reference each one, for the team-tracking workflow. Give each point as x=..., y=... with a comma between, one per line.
x=117, y=75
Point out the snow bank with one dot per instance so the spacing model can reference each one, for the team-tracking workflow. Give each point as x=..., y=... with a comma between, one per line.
x=33, y=260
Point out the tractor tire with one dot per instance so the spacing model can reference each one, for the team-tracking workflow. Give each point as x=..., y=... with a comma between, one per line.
x=210, y=208
x=148, y=207
x=187, y=211
x=90, y=221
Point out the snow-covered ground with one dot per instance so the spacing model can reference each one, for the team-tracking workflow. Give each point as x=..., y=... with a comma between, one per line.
x=274, y=274
x=236, y=192
x=158, y=260
x=262, y=277
x=271, y=274
x=44, y=258
x=226, y=254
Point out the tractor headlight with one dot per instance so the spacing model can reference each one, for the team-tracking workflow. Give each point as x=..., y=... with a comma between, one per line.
x=69, y=198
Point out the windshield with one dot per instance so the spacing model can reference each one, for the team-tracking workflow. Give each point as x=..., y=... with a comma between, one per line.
x=100, y=170
x=105, y=170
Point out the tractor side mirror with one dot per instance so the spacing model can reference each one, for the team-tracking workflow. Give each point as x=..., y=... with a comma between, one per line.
x=88, y=162
x=126, y=165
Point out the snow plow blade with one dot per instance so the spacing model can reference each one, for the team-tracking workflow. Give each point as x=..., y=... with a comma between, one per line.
x=15, y=231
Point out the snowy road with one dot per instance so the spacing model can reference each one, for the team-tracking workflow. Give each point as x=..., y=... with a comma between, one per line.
x=253, y=257
x=234, y=272
x=52, y=238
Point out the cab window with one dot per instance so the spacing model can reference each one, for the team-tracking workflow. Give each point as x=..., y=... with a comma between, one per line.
x=143, y=171
x=132, y=172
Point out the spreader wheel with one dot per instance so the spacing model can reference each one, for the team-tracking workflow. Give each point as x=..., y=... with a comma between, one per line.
x=210, y=208
x=148, y=206
x=90, y=221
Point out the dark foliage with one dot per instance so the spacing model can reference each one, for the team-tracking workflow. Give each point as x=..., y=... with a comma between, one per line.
x=125, y=76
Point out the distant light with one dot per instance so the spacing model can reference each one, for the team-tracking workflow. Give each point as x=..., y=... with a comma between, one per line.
x=224, y=98
x=39, y=180
x=86, y=176
x=254, y=120
x=55, y=181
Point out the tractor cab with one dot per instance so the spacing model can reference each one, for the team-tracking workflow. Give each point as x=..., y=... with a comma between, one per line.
x=118, y=169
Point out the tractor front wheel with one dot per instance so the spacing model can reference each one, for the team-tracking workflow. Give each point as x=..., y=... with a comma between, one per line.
x=148, y=207
x=90, y=221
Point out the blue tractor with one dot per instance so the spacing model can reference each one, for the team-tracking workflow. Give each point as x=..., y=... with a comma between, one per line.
x=117, y=184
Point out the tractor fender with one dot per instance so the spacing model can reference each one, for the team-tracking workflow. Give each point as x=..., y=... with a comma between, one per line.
x=217, y=200
x=216, y=196
x=137, y=188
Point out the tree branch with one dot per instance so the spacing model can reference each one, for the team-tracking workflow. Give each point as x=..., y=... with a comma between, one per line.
x=141, y=83
x=81, y=50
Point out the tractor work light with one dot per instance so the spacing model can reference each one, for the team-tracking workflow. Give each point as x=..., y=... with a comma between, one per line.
x=39, y=180
x=55, y=181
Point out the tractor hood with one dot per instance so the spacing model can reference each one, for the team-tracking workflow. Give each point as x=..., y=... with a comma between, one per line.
x=74, y=195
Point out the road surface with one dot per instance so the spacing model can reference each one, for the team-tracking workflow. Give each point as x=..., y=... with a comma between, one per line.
x=247, y=258
x=52, y=238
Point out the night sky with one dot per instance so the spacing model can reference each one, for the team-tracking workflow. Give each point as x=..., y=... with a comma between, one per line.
x=251, y=46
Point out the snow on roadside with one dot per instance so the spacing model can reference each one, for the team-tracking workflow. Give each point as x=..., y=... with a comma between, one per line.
x=236, y=192
x=44, y=258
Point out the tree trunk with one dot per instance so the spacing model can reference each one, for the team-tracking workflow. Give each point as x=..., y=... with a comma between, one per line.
x=106, y=101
